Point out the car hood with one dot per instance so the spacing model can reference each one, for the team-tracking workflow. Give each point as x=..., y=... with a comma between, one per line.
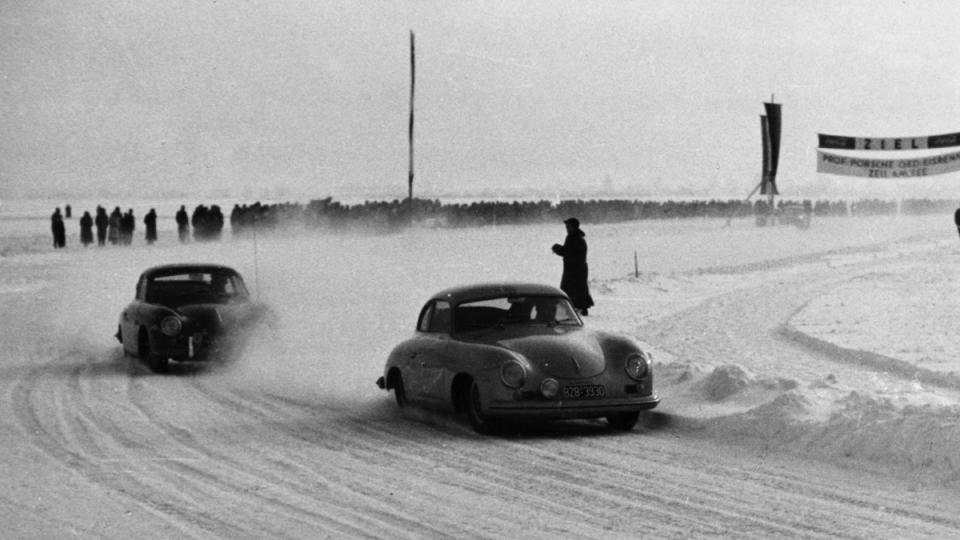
x=217, y=317
x=562, y=355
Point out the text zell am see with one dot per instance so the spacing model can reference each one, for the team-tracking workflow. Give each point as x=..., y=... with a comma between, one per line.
x=831, y=163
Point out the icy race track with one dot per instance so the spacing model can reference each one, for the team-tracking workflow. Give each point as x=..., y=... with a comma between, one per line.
x=763, y=430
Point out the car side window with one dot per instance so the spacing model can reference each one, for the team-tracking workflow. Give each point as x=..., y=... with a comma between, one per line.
x=423, y=325
x=440, y=321
x=142, y=289
x=231, y=287
x=236, y=288
x=436, y=318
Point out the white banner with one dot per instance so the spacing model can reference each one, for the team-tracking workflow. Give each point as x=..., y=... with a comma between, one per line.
x=830, y=163
x=840, y=142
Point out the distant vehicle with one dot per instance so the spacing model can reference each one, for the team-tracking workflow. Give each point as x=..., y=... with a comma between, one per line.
x=794, y=214
x=515, y=351
x=788, y=214
x=185, y=312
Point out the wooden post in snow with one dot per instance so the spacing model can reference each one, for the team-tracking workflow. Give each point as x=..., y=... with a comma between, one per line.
x=413, y=79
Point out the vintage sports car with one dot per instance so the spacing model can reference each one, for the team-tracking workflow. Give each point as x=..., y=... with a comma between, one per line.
x=507, y=352
x=185, y=312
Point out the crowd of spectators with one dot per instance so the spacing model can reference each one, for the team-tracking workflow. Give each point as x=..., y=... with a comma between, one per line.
x=386, y=215
x=207, y=223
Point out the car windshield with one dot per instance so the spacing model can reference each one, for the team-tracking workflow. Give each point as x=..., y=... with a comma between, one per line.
x=514, y=310
x=196, y=288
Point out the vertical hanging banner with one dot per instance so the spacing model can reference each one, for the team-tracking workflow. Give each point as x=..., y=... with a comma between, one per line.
x=765, y=166
x=830, y=163
x=770, y=126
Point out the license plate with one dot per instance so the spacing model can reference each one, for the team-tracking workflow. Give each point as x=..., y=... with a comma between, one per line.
x=584, y=391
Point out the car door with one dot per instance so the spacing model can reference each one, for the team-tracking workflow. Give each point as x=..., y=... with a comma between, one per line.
x=429, y=353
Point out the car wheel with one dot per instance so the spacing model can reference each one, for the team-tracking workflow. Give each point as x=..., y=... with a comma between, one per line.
x=623, y=421
x=156, y=363
x=123, y=345
x=478, y=422
x=399, y=392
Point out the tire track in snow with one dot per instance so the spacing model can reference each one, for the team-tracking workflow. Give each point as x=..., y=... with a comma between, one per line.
x=401, y=458
x=68, y=441
x=296, y=496
x=712, y=499
x=608, y=487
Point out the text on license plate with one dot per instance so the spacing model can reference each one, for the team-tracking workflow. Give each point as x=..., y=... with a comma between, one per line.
x=584, y=391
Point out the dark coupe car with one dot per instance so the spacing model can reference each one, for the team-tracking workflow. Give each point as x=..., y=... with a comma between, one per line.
x=502, y=352
x=185, y=312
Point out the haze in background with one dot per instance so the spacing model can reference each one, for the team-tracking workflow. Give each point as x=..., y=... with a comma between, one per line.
x=299, y=99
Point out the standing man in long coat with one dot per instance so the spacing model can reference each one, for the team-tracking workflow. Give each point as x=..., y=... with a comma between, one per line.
x=574, y=279
x=128, y=224
x=956, y=219
x=183, y=224
x=113, y=226
x=150, y=224
x=101, y=221
x=58, y=229
x=86, y=229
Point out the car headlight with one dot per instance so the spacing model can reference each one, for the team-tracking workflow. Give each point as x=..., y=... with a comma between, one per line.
x=171, y=326
x=637, y=365
x=549, y=388
x=512, y=374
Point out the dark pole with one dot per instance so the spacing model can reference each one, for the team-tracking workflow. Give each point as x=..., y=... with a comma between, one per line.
x=412, y=81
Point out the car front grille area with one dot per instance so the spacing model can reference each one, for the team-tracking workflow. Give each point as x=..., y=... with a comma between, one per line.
x=533, y=395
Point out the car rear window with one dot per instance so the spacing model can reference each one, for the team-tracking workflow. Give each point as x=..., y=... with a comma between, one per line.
x=195, y=287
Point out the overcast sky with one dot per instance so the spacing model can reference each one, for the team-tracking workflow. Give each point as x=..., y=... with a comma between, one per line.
x=307, y=99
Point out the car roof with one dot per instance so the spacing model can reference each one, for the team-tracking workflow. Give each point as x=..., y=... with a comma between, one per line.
x=171, y=269
x=480, y=291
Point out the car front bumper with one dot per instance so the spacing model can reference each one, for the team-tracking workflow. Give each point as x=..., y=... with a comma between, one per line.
x=560, y=409
x=194, y=348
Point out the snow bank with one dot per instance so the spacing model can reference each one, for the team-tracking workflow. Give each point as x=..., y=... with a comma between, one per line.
x=890, y=316
x=908, y=312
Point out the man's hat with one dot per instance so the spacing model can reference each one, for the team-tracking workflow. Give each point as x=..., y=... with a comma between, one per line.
x=572, y=221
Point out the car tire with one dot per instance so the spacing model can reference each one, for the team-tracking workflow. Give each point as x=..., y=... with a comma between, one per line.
x=478, y=422
x=623, y=421
x=156, y=363
x=399, y=391
x=123, y=345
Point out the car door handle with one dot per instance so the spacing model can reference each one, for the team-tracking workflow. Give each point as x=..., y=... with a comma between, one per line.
x=413, y=355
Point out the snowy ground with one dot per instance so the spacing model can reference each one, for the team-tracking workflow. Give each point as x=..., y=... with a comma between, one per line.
x=810, y=384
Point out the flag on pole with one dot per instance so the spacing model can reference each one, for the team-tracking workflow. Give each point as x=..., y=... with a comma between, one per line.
x=770, y=127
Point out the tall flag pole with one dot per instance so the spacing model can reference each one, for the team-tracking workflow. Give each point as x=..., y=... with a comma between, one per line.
x=413, y=79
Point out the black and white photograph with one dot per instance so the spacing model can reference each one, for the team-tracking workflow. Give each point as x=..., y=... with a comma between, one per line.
x=428, y=269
